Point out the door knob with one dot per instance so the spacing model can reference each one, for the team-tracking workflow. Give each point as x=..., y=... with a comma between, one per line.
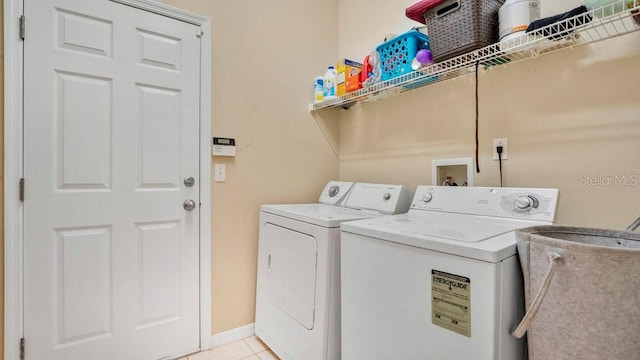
x=189, y=205
x=189, y=181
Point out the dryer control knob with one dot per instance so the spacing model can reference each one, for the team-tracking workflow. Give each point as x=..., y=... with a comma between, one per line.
x=426, y=197
x=333, y=191
x=523, y=203
x=386, y=196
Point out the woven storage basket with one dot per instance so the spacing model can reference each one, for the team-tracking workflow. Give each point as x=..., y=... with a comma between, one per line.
x=582, y=289
x=456, y=27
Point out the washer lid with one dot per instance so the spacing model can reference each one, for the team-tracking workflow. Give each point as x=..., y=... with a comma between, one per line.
x=319, y=214
x=479, y=237
x=462, y=228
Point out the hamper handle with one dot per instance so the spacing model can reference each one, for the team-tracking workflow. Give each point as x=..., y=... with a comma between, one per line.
x=537, y=301
x=447, y=8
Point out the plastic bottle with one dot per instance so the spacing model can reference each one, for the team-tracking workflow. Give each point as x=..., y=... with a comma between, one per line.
x=329, y=83
x=318, y=90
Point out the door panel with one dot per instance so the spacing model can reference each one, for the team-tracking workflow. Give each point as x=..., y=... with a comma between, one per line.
x=83, y=287
x=159, y=270
x=160, y=122
x=83, y=33
x=111, y=261
x=83, y=131
x=159, y=50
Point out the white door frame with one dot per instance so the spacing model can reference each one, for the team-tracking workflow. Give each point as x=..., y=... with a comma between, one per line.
x=13, y=168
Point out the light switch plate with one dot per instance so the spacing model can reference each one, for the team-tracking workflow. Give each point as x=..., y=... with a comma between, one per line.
x=220, y=173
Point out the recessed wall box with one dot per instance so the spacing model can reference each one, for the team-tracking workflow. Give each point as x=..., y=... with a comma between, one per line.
x=224, y=147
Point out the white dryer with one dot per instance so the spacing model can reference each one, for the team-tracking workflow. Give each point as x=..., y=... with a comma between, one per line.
x=298, y=285
x=443, y=281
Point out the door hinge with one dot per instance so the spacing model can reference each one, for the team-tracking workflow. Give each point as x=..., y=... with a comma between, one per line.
x=22, y=189
x=23, y=21
x=22, y=349
x=199, y=32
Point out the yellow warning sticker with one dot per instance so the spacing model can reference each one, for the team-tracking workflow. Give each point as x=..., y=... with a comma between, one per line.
x=515, y=29
x=451, y=302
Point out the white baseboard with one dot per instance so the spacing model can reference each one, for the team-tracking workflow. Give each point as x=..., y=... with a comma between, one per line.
x=232, y=335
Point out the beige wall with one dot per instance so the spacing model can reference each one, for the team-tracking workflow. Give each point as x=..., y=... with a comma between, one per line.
x=265, y=56
x=2, y=181
x=568, y=116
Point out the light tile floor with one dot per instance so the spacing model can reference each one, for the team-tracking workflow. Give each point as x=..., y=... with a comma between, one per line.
x=250, y=348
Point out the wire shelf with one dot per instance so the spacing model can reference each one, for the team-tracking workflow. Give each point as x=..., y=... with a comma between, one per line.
x=606, y=22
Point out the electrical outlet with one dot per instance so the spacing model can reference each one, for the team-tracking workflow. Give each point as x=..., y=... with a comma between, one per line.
x=500, y=142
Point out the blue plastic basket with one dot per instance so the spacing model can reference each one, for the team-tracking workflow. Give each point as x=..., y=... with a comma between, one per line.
x=396, y=54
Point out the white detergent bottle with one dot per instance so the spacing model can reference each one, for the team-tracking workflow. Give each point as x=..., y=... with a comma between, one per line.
x=329, y=84
x=318, y=89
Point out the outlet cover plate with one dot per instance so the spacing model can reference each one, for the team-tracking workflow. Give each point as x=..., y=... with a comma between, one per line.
x=500, y=142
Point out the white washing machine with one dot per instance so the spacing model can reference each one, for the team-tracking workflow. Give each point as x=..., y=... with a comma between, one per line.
x=298, y=286
x=443, y=281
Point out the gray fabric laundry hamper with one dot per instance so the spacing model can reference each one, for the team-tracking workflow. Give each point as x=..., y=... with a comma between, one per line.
x=582, y=290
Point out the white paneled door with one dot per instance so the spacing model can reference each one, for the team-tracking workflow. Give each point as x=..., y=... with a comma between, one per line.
x=111, y=129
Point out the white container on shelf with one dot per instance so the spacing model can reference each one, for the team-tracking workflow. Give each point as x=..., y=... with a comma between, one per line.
x=318, y=89
x=516, y=15
x=329, y=83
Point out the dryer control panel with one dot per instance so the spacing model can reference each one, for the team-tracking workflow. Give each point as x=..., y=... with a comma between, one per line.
x=527, y=203
x=335, y=192
x=388, y=199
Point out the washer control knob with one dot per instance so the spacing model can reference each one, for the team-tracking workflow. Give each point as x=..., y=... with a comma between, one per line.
x=386, y=196
x=523, y=203
x=334, y=190
x=426, y=197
